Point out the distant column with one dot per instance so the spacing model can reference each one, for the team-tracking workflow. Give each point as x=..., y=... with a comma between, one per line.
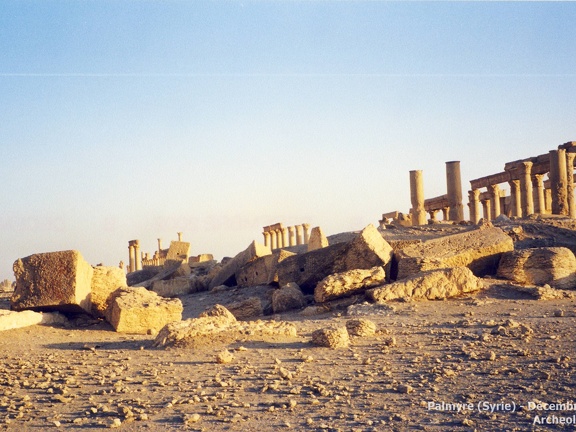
x=284, y=234
x=279, y=244
x=526, y=188
x=538, y=192
x=495, y=200
x=266, y=235
x=487, y=209
x=474, y=205
x=432, y=214
x=179, y=236
x=291, y=236
x=417, y=198
x=446, y=213
x=273, y=240
x=131, y=260
x=454, y=191
x=306, y=236
x=558, y=182
x=299, y=235
x=570, y=184
x=138, y=255
x=515, y=198
x=159, y=246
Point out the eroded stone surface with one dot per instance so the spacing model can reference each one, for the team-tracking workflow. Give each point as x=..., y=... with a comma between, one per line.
x=431, y=285
x=555, y=266
x=287, y=298
x=53, y=281
x=332, y=337
x=105, y=280
x=226, y=275
x=348, y=283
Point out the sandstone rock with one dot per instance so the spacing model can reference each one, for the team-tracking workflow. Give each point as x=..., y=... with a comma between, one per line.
x=287, y=298
x=226, y=276
x=361, y=327
x=317, y=239
x=200, y=258
x=261, y=271
x=246, y=309
x=478, y=249
x=178, y=251
x=431, y=285
x=219, y=311
x=555, y=266
x=11, y=319
x=368, y=249
x=221, y=327
x=53, y=281
x=334, y=337
x=105, y=280
x=224, y=357
x=348, y=283
x=139, y=311
x=172, y=287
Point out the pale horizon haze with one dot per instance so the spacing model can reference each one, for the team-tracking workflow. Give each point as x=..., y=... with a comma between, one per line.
x=137, y=119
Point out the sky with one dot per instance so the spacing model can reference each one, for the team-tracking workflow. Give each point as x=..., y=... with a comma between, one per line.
x=136, y=119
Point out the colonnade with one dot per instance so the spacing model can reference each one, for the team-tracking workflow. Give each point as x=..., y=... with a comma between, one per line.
x=138, y=260
x=278, y=236
x=134, y=257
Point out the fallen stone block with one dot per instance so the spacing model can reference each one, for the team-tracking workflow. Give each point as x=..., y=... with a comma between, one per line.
x=361, y=327
x=105, y=281
x=366, y=250
x=348, y=283
x=136, y=310
x=555, y=266
x=59, y=281
x=172, y=287
x=478, y=249
x=317, y=239
x=430, y=285
x=261, y=271
x=246, y=309
x=226, y=275
x=12, y=320
x=333, y=337
x=287, y=298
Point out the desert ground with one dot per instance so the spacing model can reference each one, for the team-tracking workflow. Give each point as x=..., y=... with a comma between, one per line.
x=500, y=359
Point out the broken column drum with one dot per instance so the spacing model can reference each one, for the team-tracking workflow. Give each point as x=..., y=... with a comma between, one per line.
x=454, y=191
x=417, y=198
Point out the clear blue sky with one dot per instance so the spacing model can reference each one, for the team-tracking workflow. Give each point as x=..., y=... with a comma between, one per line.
x=140, y=118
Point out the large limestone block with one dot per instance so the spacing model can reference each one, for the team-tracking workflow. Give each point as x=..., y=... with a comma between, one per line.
x=317, y=239
x=430, y=285
x=172, y=287
x=53, y=281
x=136, y=310
x=178, y=251
x=227, y=275
x=105, y=281
x=287, y=298
x=348, y=283
x=261, y=271
x=366, y=250
x=555, y=266
x=478, y=249
x=11, y=319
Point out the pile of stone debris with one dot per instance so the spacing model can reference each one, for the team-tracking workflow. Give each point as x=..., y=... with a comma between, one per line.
x=401, y=263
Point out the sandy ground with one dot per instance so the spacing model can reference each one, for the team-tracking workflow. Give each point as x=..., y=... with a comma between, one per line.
x=475, y=363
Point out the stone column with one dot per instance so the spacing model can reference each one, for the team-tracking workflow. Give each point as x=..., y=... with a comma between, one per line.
x=179, y=236
x=515, y=197
x=273, y=240
x=486, y=209
x=137, y=255
x=495, y=200
x=559, y=182
x=131, y=259
x=446, y=213
x=306, y=236
x=284, y=234
x=474, y=205
x=526, y=188
x=454, y=191
x=266, y=235
x=432, y=214
x=538, y=192
x=159, y=246
x=548, y=200
x=570, y=184
x=291, y=236
x=417, y=198
x=299, y=236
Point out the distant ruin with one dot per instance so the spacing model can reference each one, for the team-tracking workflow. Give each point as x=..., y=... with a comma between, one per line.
x=178, y=250
x=278, y=236
x=530, y=193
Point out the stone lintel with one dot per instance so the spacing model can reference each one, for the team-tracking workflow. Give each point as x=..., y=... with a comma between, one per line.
x=436, y=203
x=482, y=182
